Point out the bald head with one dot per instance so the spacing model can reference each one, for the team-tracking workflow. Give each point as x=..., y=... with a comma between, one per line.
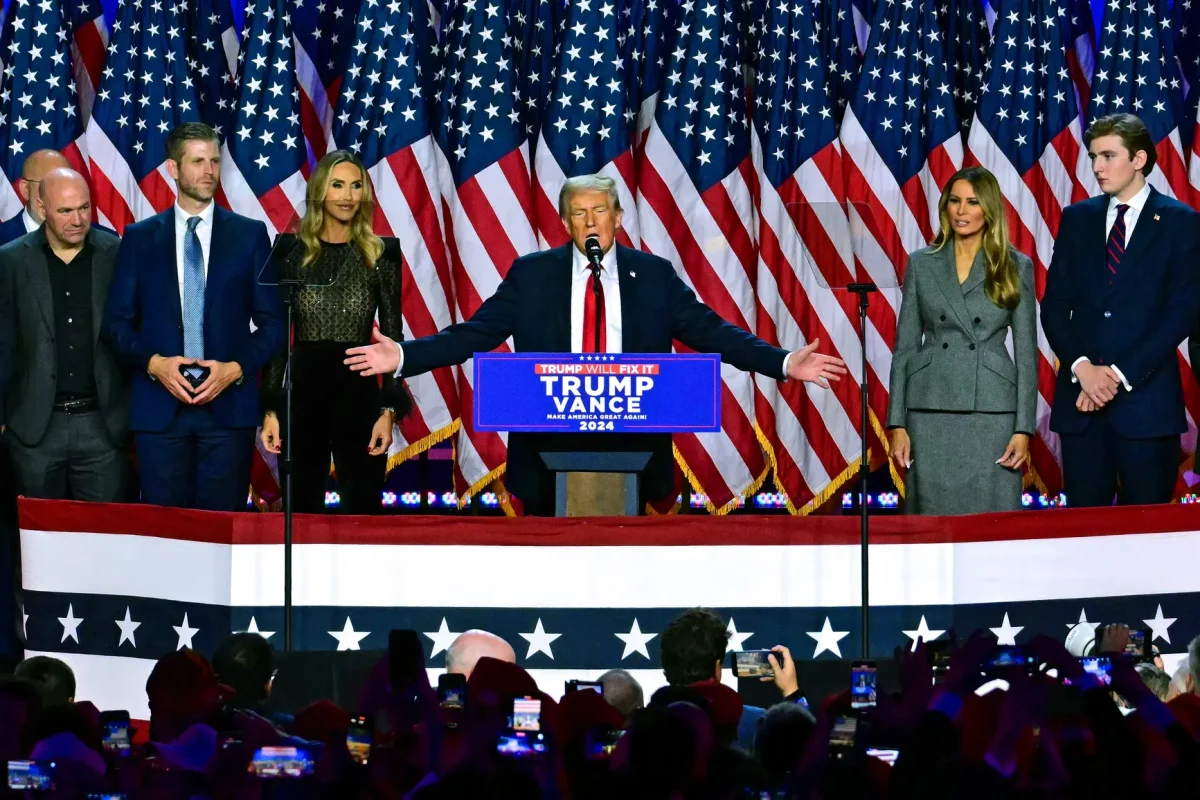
x=33, y=171
x=471, y=646
x=65, y=204
x=622, y=691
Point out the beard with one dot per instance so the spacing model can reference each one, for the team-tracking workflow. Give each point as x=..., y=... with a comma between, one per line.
x=198, y=191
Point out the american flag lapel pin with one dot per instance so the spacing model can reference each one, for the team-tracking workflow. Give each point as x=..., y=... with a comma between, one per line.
x=634, y=274
x=1156, y=217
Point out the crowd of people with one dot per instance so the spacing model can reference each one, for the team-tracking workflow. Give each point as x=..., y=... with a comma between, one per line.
x=1051, y=729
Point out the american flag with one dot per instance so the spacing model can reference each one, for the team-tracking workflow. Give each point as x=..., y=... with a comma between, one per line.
x=534, y=24
x=653, y=26
x=487, y=196
x=39, y=106
x=1027, y=132
x=263, y=153
x=324, y=31
x=1136, y=72
x=110, y=589
x=804, y=249
x=695, y=208
x=1081, y=57
x=384, y=115
x=145, y=92
x=836, y=35
x=968, y=40
x=586, y=128
x=89, y=40
x=1185, y=21
x=212, y=56
x=901, y=143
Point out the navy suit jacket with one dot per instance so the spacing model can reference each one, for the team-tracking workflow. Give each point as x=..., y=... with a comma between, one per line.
x=144, y=316
x=12, y=229
x=533, y=306
x=1135, y=319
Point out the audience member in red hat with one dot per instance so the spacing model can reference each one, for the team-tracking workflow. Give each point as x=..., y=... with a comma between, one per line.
x=183, y=690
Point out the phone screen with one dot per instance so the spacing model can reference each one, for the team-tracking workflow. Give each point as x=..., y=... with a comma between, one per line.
x=1100, y=666
x=114, y=732
x=31, y=775
x=521, y=744
x=1137, y=644
x=843, y=733
x=527, y=714
x=358, y=739
x=752, y=664
x=886, y=756
x=862, y=684
x=593, y=686
x=1009, y=656
x=600, y=743
x=282, y=762
x=452, y=691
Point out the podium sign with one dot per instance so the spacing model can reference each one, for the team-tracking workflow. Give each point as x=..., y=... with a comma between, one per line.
x=598, y=392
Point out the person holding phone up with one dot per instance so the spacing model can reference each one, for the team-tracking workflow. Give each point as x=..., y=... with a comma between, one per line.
x=962, y=411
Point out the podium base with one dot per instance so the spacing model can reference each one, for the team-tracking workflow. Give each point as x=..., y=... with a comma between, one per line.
x=596, y=494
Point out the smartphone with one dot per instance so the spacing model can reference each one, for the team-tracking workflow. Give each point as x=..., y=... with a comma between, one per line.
x=1009, y=656
x=406, y=655
x=886, y=756
x=358, y=739
x=282, y=762
x=939, y=654
x=862, y=684
x=599, y=743
x=752, y=664
x=524, y=737
x=843, y=735
x=114, y=732
x=594, y=686
x=1100, y=666
x=37, y=776
x=452, y=691
x=1139, y=647
x=527, y=714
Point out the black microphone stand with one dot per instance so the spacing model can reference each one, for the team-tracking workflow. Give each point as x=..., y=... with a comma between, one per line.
x=288, y=288
x=864, y=469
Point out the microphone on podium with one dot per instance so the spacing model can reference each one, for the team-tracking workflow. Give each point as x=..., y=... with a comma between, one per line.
x=595, y=255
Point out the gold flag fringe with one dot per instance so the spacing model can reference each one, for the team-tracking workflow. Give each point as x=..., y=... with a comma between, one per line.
x=818, y=499
x=738, y=497
x=421, y=445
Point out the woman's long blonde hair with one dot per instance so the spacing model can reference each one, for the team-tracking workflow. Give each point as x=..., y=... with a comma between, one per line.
x=1002, y=282
x=362, y=236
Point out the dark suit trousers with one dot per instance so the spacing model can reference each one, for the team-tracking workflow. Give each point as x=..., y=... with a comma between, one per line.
x=196, y=463
x=334, y=411
x=1095, y=461
x=74, y=452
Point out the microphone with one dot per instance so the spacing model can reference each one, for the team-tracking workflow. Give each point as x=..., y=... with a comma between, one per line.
x=595, y=255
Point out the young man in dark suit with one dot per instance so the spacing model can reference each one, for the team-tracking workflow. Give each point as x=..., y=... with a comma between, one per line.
x=188, y=284
x=1123, y=292
x=544, y=305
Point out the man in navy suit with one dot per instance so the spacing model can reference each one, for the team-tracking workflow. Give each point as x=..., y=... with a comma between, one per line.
x=545, y=304
x=35, y=166
x=187, y=285
x=1123, y=292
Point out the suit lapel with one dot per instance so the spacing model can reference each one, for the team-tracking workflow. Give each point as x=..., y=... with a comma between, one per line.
x=1146, y=230
x=946, y=273
x=102, y=269
x=974, y=277
x=38, y=276
x=629, y=318
x=562, y=275
x=164, y=242
x=219, y=256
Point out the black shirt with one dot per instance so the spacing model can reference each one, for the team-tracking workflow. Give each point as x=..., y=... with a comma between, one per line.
x=71, y=290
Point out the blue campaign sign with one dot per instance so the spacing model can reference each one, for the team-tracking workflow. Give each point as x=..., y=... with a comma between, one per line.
x=598, y=392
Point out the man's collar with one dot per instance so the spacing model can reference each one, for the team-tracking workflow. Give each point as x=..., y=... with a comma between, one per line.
x=1137, y=202
x=181, y=216
x=31, y=224
x=43, y=241
x=580, y=263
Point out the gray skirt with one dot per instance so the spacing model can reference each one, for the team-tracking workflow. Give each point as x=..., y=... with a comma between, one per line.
x=954, y=467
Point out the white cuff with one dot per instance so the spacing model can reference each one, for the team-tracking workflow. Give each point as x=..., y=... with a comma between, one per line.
x=1121, y=376
x=400, y=367
x=786, y=359
x=1076, y=363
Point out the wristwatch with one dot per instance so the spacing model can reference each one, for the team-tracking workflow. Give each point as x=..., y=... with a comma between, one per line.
x=387, y=408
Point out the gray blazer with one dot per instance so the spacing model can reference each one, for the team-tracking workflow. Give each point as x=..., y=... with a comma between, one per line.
x=28, y=357
x=950, y=353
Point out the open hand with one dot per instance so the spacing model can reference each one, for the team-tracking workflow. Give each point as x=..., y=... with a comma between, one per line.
x=271, y=438
x=381, y=435
x=806, y=364
x=381, y=357
x=901, y=447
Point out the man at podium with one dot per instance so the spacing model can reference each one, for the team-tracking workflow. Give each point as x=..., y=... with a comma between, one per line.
x=549, y=303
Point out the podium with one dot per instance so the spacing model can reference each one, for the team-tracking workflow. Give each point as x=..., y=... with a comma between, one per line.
x=601, y=395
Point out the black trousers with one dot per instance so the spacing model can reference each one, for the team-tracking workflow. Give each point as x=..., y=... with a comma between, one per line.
x=1095, y=461
x=334, y=411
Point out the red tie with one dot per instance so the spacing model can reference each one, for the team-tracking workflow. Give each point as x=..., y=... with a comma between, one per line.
x=590, y=322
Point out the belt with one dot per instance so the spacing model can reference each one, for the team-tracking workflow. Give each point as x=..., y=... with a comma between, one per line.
x=80, y=406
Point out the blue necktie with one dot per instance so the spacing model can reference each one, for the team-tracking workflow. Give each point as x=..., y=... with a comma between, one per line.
x=193, y=292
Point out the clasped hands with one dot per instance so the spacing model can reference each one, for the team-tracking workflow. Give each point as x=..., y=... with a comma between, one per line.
x=166, y=370
x=1098, y=385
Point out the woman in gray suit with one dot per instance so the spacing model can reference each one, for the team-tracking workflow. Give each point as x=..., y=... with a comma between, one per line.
x=962, y=412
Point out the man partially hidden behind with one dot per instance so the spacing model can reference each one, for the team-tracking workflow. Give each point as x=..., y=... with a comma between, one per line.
x=188, y=285
x=33, y=170
x=545, y=304
x=64, y=402
x=1122, y=293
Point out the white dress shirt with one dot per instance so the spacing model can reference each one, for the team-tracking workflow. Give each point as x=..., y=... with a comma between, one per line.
x=203, y=231
x=1136, y=204
x=581, y=271
x=31, y=224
